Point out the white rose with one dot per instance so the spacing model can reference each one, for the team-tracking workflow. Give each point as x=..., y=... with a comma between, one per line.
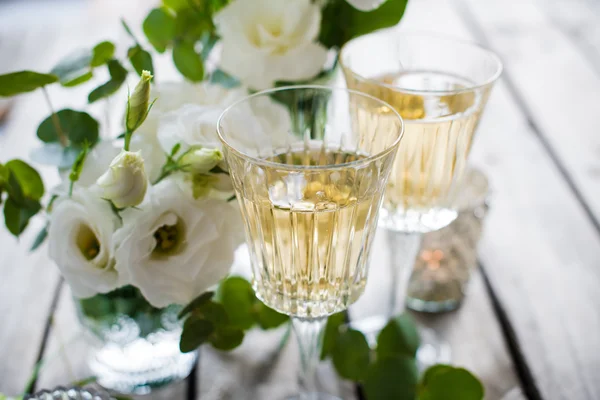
x=125, y=182
x=264, y=41
x=366, y=5
x=172, y=248
x=80, y=240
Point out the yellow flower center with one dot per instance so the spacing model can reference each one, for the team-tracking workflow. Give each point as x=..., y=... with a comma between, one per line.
x=169, y=239
x=87, y=242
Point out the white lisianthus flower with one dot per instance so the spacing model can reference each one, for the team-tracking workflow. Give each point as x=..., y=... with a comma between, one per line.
x=172, y=248
x=125, y=182
x=366, y=5
x=264, y=41
x=200, y=160
x=153, y=154
x=80, y=242
x=251, y=124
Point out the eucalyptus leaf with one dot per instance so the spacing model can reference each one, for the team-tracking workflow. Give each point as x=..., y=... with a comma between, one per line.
x=56, y=155
x=393, y=378
x=342, y=22
x=39, y=239
x=176, y=5
x=268, y=318
x=97, y=307
x=238, y=299
x=332, y=331
x=160, y=29
x=351, y=355
x=213, y=312
x=15, y=192
x=399, y=337
x=17, y=216
x=442, y=382
x=188, y=62
x=118, y=74
x=226, y=338
x=75, y=68
x=197, y=302
x=102, y=53
x=191, y=24
x=196, y=331
x=23, y=82
x=79, y=127
x=30, y=182
x=222, y=78
x=140, y=59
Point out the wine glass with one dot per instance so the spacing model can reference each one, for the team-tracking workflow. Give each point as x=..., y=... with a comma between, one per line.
x=440, y=87
x=309, y=166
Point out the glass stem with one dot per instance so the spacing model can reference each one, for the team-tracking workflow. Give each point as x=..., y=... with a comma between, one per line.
x=404, y=247
x=310, y=338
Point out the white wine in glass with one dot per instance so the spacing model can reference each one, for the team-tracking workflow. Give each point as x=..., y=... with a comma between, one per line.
x=310, y=199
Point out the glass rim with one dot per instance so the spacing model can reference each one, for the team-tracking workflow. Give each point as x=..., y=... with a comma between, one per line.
x=430, y=35
x=273, y=164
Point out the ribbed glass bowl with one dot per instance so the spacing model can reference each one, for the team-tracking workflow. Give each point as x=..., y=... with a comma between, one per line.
x=61, y=393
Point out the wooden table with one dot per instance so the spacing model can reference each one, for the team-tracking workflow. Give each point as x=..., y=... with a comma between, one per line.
x=530, y=325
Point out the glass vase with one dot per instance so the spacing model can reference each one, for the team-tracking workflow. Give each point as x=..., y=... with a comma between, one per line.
x=135, y=345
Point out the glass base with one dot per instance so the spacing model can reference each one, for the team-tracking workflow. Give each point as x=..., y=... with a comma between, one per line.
x=142, y=365
x=313, y=396
x=433, y=350
x=432, y=307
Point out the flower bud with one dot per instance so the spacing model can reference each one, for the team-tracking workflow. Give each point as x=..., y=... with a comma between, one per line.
x=201, y=160
x=125, y=182
x=137, y=108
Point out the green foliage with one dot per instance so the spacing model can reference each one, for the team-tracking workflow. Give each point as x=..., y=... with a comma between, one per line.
x=446, y=382
x=176, y=5
x=140, y=59
x=222, y=322
x=351, y=354
x=222, y=78
x=392, y=378
x=332, y=330
x=188, y=62
x=342, y=22
x=118, y=74
x=78, y=126
x=39, y=239
x=398, y=337
x=160, y=29
x=77, y=167
x=102, y=53
x=24, y=81
x=24, y=188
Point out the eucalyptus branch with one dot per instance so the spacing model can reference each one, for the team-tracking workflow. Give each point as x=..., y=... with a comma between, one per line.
x=64, y=141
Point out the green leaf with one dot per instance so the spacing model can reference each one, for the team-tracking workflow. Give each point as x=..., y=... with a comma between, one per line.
x=191, y=25
x=222, y=78
x=442, y=382
x=342, y=22
x=79, y=127
x=176, y=5
x=226, y=338
x=102, y=53
x=17, y=216
x=197, y=302
x=75, y=68
x=40, y=238
x=15, y=192
x=140, y=59
x=351, y=355
x=213, y=312
x=97, y=307
x=332, y=331
x=160, y=29
x=196, y=331
x=238, y=299
x=30, y=182
x=268, y=318
x=118, y=74
x=23, y=81
x=399, y=337
x=393, y=378
x=188, y=62
x=56, y=155
x=78, y=166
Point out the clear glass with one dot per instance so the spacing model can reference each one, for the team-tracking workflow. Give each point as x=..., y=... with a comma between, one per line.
x=134, y=346
x=440, y=87
x=309, y=166
x=61, y=393
x=448, y=256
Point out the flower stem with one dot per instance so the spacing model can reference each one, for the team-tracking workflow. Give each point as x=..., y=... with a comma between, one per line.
x=128, y=136
x=64, y=141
